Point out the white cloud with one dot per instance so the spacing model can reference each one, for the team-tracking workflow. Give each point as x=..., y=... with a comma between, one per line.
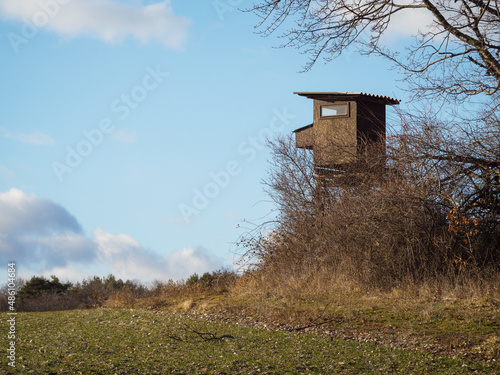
x=38, y=233
x=126, y=257
x=21, y=213
x=188, y=261
x=107, y=20
x=408, y=23
x=44, y=239
x=35, y=138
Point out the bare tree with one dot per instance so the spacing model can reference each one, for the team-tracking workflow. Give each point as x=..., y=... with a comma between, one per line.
x=436, y=209
x=457, y=53
x=455, y=56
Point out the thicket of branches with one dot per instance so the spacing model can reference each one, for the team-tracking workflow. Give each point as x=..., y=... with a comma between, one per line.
x=413, y=223
x=435, y=210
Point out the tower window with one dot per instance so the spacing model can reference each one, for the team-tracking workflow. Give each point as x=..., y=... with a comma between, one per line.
x=341, y=109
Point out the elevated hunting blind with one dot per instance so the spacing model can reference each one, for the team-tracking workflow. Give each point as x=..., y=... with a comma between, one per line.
x=344, y=124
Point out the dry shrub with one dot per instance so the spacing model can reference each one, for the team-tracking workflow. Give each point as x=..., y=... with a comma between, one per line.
x=127, y=296
x=364, y=228
x=163, y=294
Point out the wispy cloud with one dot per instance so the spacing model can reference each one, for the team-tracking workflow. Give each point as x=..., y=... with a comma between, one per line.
x=44, y=239
x=126, y=257
x=408, y=23
x=107, y=20
x=35, y=138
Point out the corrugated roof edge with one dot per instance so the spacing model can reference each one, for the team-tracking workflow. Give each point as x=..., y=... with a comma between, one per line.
x=313, y=95
x=303, y=128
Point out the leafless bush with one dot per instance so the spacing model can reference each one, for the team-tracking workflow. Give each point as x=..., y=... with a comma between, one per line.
x=167, y=293
x=369, y=226
x=462, y=159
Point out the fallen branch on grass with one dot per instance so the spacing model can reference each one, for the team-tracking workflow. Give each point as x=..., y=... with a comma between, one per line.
x=312, y=325
x=313, y=322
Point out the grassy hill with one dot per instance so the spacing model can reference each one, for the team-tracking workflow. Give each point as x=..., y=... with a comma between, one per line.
x=217, y=333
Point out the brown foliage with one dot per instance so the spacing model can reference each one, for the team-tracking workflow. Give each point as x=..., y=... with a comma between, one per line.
x=366, y=226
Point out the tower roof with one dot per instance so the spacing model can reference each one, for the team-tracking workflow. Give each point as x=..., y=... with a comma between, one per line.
x=334, y=96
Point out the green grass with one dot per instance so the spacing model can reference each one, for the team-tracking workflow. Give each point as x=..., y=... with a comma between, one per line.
x=123, y=341
x=452, y=326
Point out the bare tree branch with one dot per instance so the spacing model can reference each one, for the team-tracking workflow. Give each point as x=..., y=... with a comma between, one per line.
x=457, y=55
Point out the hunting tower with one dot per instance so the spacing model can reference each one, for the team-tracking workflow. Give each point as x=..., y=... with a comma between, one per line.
x=344, y=123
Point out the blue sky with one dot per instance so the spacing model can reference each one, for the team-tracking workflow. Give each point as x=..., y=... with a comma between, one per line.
x=131, y=131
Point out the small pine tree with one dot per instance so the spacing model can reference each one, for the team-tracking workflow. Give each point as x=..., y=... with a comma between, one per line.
x=39, y=284
x=193, y=279
x=207, y=279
